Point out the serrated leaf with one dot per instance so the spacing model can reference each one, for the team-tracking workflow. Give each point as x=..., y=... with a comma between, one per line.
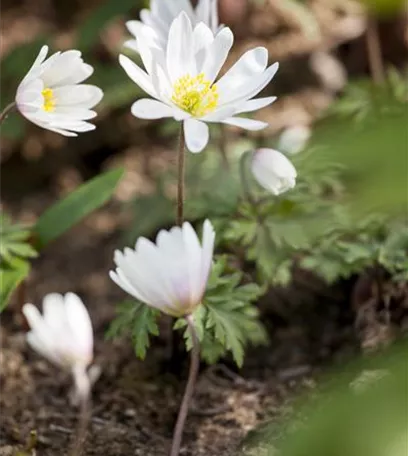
x=60, y=217
x=137, y=320
x=10, y=278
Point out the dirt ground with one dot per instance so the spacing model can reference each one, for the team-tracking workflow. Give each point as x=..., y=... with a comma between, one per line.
x=135, y=403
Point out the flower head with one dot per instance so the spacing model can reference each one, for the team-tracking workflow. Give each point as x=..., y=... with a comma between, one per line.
x=163, y=12
x=273, y=171
x=170, y=275
x=52, y=97
x=63, y=335
x=294, y=139
x=182, y=80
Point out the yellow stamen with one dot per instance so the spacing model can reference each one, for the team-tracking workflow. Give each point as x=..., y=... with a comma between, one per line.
x=195, y=95
x=49, y=100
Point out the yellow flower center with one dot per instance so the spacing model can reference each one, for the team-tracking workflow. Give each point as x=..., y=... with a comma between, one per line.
x=195, y=95
x=49, y=100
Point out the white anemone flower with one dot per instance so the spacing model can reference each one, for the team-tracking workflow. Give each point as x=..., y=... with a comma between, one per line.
x=273, y=171
x=294, y=139
x=51, y=94
x=181, y=80
x=63, y=335
x=170, y=275
x=162, y=13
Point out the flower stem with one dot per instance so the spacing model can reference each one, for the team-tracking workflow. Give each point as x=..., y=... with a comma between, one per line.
x=83, y=423
x=180, y=177
x=244, y=178
x=188, y=393
x=83, y=391
x=374, y=52
x=6, y=111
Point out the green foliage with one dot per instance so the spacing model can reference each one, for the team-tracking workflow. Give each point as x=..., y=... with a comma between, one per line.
x=137, y=320
x=81, y=202
x=344, y=214
x=10, y=278
x=15, y=252
x=345, y=415
x=227, y=320
x=14, y=242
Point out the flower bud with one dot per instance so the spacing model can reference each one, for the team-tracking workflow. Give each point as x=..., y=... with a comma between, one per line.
x=273, y=171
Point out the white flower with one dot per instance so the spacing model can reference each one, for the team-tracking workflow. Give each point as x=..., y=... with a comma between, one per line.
x=294, y=139
x=163, y=12
x=181, y=80
x=170, y=275
x=52, y=97
x=273, y=171
x=63, y=335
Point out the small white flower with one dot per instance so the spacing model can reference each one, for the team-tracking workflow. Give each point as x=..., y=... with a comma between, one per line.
x=181, y=80
x=63, y=335
x=170, y=275
x=294, y=139
x=163, y=12
x=273, y=171
x=52, y=97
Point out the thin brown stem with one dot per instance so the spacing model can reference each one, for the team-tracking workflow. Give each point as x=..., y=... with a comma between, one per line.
x=6, y=111
x=188, y=393
x=82, y=429
x=180, y=177
x=375, y=59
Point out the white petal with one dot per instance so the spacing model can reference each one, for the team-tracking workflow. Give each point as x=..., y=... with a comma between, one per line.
x=82, y=95
x=180, y=51
x=196, y=135
x=62, y=67
x=202, y=37
x=193, y=261
x=78, y=126
x=147, y=108
x=248, y=124
x=53, y=311
x=254, y=105
x=217, y=53
x=73, y=113
x=250, y=88
x=37, y=63
x=29, y=97
x=253, y=62
x=138, y=76
x=80, y=325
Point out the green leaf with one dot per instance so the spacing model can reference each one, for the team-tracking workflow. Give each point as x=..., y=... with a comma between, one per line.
x=14, y=241
x=137, y=320
x=231, y=320
x=94, y=24
x=81, y=202
x=10, y=278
